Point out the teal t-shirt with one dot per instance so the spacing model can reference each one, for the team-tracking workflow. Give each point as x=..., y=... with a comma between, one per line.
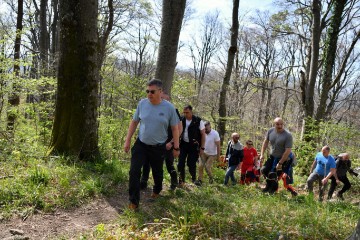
x=155, y=120
x=323, y=164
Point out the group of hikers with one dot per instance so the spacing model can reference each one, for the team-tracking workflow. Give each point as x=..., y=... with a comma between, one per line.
x=165, y=135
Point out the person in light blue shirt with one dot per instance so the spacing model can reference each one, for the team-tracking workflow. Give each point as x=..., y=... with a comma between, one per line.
x=322, y=169
x=155, y=115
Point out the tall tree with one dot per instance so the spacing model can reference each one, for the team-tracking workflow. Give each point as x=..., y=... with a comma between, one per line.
x=75, y=129
x=201, y=53
x=172, y=17
x=43, y=37
x=329, y=57
x=14, y=99
x=229, y=66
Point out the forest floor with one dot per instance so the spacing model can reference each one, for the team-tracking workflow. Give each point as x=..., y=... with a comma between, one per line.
x=70, y=223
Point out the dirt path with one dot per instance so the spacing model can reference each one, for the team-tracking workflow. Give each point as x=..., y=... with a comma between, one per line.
x=71, y=223
x=68, y=223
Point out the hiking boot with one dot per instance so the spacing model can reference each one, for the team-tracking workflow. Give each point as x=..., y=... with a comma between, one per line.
x=173, y=187
x=294, y=193
x=198, y=183
x=133, y=206
x=340, y=196
x=154, y=195
x=143, y=185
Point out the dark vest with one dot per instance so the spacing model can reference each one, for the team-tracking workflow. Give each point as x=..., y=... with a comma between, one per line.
x=193, y=129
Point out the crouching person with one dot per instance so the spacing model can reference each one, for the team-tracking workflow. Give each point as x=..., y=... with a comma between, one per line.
x=322, y=169
x=343, y=165
x=234, y=155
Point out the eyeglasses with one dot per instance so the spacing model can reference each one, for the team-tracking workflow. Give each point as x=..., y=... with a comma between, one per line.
x=151, y=91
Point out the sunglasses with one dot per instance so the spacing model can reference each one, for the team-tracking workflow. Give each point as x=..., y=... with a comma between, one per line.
x=150, y=91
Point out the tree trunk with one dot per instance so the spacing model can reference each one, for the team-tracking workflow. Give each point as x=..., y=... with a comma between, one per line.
x=172, y=17
x=43, y=38
x=14, y=98
x=54, y=36
x=229, y=66
x=308, y=82
x=329, y=57
x=75, y=130
x=315, y=48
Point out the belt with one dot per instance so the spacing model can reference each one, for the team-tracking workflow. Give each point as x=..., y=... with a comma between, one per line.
x=154, y=146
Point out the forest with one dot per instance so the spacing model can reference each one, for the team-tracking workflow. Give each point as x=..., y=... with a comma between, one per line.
x=73, y=71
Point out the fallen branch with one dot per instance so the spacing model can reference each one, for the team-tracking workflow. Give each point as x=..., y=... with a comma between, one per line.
x=9, y=176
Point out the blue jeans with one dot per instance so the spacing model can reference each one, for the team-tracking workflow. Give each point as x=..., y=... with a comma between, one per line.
x=230, y=174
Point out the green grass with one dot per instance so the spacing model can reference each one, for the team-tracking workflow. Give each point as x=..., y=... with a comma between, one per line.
x=33, y=182
x=236, y=212
x=50, y=183
x=208, y=212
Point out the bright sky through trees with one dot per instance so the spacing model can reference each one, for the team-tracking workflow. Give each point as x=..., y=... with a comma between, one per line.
x=202, y=7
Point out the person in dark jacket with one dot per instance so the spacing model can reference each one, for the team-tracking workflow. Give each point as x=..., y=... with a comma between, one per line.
x=191, y=144
x=343, y=165
x=234, y=155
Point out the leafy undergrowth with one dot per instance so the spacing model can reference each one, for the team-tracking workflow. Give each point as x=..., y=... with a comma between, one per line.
x=46, y=184
x=209, y=212
x=236, y=212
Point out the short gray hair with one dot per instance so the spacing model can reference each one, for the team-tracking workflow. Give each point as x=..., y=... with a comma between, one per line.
x=155, y=82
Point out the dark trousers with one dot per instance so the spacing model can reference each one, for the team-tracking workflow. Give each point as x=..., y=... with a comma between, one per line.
x=140, y=154
x=344, y=180
x=270, y=166
x=189, y=154
x=169, y=162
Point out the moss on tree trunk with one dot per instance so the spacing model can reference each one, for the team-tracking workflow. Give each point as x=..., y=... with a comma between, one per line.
x=75, y=130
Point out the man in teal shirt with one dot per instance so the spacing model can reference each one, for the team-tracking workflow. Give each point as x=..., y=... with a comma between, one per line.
x=322, y=169
x=154, y=115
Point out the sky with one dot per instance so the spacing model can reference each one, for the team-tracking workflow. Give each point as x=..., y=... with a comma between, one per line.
x=202, y=7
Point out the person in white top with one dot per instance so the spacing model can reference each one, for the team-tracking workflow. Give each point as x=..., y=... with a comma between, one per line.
x=211, y=153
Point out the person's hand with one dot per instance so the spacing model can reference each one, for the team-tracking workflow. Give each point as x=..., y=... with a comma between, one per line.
x=279, y=166
x=176, y=153
x=337, y=181
x=127, y=146
x=324, y=181
x=168, y=146
x=261, y=157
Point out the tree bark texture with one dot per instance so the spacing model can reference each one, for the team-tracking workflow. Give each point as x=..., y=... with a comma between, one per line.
x=229, y=66
x=315, y=48
x=329, y=57
x=75, y=129
x=172, y=17
x=308, y=82
x=43, y=37
x=54, y=36
x=14, y=98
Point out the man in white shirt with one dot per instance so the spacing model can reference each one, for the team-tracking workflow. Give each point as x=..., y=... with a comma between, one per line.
x=211, y=153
